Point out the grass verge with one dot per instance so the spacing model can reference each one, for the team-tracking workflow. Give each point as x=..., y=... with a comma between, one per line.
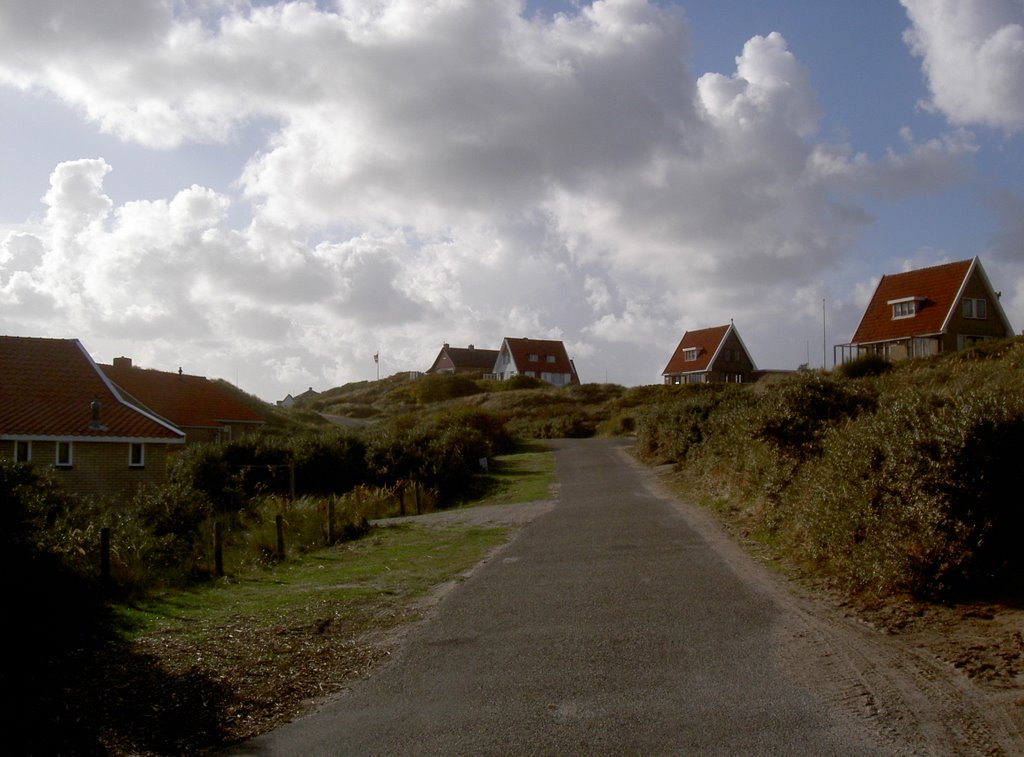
x=199, y=669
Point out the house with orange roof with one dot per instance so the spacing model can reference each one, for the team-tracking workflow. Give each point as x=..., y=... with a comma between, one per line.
x=923, y=312
x=463, y=360
x=712, y=355
x=194, y=404
x=58, y=410
x=544, y=359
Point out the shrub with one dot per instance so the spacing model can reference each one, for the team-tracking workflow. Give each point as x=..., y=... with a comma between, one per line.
x=917, y=496
x=865, y=365
x=436, y=387
x=796, y=414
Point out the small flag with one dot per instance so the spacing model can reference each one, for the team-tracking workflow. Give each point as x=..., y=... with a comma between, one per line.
x=376, y=357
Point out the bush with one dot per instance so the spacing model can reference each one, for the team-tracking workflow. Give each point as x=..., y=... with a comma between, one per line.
x=918, y=497
x=865, y=365
x=796, y=414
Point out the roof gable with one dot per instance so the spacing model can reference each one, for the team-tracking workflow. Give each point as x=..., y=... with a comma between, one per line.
x=705, y=344
x=935, y=291
x=47, y=387
x=184, y=400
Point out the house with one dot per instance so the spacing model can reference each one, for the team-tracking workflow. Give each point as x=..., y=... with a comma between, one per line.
x=942, y=308
x=463, y=360
x=545, y=359
x=194, y=404
x=59, y=410
x=289, y=400
x=713, y=355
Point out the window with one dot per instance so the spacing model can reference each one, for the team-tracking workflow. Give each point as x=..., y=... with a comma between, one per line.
x=22, y=452
x=550, y=358
x=695, y=378
x=905, y=309
x=975, y=307
x=533, y=357
x=690, y=353
x=136, y=455
x=63, y=454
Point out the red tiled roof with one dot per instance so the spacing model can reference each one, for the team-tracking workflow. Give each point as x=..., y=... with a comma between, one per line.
x=47, y=387
x=936, y=287
x=705, y=341
x=184, y=400
x=521, y=349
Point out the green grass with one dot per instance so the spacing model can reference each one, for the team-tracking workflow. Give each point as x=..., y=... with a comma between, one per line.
x=523, y=476
x=391, y=566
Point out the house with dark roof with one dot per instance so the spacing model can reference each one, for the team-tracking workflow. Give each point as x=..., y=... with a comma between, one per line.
x=59, y=410
x=289, y=400
x=941, y=308
x=463, y=360
x=545, y=359
x=712, y=355
x=194, y=404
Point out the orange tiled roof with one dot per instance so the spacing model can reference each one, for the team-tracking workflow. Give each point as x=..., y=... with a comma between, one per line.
x=705, y=341
x=521, y=349
x=936, y=286
x=184, y=400
x=47, y=387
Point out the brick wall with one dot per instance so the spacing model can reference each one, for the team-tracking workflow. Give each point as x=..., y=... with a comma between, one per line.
x=100, y=469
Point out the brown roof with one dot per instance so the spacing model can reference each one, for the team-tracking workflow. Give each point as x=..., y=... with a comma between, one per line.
x=467, y=358
x=521, y=349
x=936, y=289
x=47, y=387
x=705, y=341
x=184, y=400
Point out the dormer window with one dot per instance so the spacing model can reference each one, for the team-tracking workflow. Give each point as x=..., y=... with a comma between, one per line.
x=550, y=358
x=533, y=357
x=975, y=307
x=905, y=307
x=690, y=353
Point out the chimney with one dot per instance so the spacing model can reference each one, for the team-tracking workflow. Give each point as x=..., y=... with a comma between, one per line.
x=471, y=346
x=122, y=362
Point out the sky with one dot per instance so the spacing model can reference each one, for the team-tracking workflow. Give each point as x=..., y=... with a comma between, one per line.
x=274, y=192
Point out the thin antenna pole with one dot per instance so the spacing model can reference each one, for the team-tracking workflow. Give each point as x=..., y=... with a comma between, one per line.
x=824, y=340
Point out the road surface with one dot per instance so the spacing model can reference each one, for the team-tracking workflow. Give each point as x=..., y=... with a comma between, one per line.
x=617, y=623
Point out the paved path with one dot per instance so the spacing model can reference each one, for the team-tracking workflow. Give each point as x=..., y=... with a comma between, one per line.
x=609, y=626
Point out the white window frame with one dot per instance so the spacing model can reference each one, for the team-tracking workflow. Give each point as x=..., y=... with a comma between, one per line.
x=904, y=309
x=689, y=354
x=975, y=308
x=550, y=358
x=70, y=461
x=132, y=446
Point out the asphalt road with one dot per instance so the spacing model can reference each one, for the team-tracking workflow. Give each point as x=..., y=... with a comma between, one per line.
x=608, y=626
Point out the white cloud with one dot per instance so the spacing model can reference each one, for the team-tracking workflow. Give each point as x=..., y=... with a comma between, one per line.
x=436, y=171
x=973, y=58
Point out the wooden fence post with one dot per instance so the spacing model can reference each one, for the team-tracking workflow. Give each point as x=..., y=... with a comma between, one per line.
x=279, y=521
x=416, y=485
x=330, y=520
x=218, y=548
x=105, y=554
